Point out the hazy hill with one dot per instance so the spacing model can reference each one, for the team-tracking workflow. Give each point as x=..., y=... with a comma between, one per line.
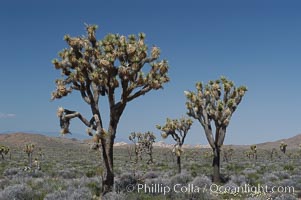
x=292, y=143
x=20, y=139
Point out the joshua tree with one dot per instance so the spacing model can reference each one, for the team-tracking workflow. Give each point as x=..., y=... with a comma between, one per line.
x=147, y=143
x=215, y=102
x=283, y=147
x=136, y=138
x=41, y=154
x=98, y=68
x=228, y=152
x=272, y=153
x=130, y=152
x=29, y=148
x=143, y=143
x=3, y=151
x=253, y=151
x=178, y=130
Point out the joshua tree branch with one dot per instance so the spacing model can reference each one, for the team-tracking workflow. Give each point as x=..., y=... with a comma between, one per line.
x=143, y=91
x=68, y=115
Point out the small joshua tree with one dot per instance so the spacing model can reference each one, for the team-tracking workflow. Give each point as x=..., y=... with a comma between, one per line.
x=178, y=130
x=136, y=138
x=3, y=151
x=148, y=141
x=283, y=147
x=98, y=68
x=29, y=148
x=273, y=153
x=253, y=151
x=143, y=143
x=215, y=102
x=228, y=153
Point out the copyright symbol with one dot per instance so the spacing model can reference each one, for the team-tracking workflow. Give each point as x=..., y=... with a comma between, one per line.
x=130, y=188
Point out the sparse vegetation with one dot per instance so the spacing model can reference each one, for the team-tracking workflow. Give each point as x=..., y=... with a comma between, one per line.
x=77, y=174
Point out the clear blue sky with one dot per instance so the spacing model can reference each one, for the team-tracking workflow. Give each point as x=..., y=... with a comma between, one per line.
x=254, y=43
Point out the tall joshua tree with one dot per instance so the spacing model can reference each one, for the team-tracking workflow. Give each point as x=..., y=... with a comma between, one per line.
x=214, y=104
x=98, y=68
x=177, y=129
x=29, y=148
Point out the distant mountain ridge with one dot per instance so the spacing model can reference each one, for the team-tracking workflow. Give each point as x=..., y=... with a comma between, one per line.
x=20, y=139
x=292, y=143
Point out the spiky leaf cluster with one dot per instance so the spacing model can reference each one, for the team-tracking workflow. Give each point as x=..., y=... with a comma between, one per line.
x=4, y=150
x=217, y=100
x=177, y=129
x=253, y=148
x=142, y=138
x=283, y=146
x=103, y=65
x=29, y=148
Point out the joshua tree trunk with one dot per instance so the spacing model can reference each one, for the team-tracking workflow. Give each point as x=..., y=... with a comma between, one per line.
x=151, y=158
x=216, y=165
x=30, y=160
x=107, y=143
x=179, y=164
x=108, y=182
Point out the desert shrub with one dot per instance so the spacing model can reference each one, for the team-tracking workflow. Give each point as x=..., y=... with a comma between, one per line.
x=269, y=177
x=3, y=183
x=36, y=174
x=289, y=167
x=67, y=173
x=230, y=188
x=182, y=178
x=239, y=180
x=90, y=173
x=287, y=182
x=202, y=181
x=113, y=196
x=47, y=186
x=124, y=180
x=150, y=175
x=162, y=182
x=234, y=167
x=285, y=197
x=79, y=194
x=200, y=196
x=282, y=174
x=17, y=192
x=95, y=188
x=60, y=194
x=248, y=171
x=70, y=194
x=11, y=171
